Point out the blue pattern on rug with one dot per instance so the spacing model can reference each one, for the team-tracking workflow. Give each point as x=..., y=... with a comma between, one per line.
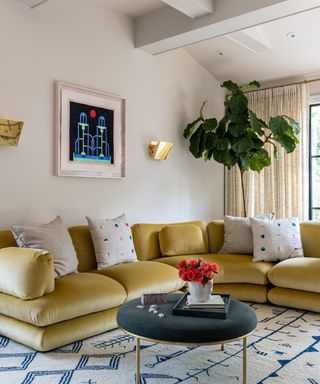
x=285, y=348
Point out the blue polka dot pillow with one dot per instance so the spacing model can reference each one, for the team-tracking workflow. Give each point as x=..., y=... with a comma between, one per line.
x=112, y=240
x=276, y=240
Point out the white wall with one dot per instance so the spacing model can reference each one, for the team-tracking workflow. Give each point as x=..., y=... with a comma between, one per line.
x=81, y=42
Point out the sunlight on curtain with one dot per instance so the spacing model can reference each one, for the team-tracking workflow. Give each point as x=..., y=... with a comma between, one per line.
x=281, y=188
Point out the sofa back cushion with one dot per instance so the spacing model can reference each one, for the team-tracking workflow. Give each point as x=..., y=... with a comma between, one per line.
x=215, y=235
x=310, y=237
x=7, y=239
x=181, y=240
x=146, y=238
x=83, y=245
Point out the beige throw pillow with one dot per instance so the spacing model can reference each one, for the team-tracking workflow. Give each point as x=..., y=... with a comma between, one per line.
x=238, y=234
x=112, y=240
x=52, y=237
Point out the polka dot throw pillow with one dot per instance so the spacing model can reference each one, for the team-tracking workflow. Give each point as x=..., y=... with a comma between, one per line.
x=112, y=240
x=276, y=240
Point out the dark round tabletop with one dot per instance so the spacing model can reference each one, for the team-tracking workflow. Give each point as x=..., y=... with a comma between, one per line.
x=240, y=322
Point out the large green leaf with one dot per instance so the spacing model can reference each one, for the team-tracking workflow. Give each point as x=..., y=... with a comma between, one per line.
x=294, y=125
x=275, y=151
x=214, y=141
x=278, y=125
x=283, y=133
x=202, y=143
x=255, y=123
x=210, y=124
x=190, y=127
x=237, y=129
x=259, y=160
x=209, y=144
x=244, y=163
x=227, y=158
x=257, y=143
x=221, y=129
x=238, y=104
x=244, y=144
x=239, y=117
x=220, y=142
x=287, y=143
x=196, y=142
x=252, y=84
x=231, y=86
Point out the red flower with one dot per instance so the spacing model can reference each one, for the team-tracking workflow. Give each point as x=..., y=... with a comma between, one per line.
x=197, y=270
x=182, y=264
x=193, y=263
x=182, y=274
x=190, y=275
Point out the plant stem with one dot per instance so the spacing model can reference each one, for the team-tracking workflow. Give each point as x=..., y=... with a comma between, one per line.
x=243, y=196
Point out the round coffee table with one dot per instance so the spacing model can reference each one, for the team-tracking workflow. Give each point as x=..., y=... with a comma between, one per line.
x=186, y=330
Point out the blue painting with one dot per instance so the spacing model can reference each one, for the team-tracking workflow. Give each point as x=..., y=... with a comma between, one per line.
x=91, y=135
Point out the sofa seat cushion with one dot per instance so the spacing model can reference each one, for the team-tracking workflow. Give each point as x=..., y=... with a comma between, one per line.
x=74, y=295
x=300, y=274
x=233, y=268
x=144, y=277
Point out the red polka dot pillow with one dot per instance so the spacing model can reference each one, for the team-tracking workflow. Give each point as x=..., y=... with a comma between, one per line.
x=276, y=240
x=112, y=240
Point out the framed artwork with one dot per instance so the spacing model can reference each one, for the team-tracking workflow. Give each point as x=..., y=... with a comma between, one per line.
x=90, y=133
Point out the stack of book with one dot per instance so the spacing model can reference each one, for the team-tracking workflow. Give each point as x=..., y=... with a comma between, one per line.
x=216, y=307
x=215, y=303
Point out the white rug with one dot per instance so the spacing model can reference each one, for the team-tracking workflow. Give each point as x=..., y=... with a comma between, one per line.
x=285, y=348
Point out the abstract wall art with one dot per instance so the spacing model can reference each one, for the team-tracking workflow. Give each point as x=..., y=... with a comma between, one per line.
x=90, y=133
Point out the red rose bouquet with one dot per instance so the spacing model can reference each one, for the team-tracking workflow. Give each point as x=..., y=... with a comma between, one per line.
x=198, y=271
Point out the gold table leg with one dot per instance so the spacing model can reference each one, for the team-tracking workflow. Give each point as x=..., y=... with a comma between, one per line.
x=137, y=360
x=244, y=374
x=222, y=347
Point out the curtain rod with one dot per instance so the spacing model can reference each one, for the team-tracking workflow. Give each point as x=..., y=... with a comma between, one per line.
x=284, y=85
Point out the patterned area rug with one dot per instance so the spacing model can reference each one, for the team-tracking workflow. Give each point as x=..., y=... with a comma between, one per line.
x=285, y=348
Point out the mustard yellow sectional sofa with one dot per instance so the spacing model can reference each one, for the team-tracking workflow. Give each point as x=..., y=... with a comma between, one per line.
x=84, y=304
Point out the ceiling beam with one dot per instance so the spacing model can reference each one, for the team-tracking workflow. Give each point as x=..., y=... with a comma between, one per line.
x=191, y=8
x=250, y=39
x=167, y=28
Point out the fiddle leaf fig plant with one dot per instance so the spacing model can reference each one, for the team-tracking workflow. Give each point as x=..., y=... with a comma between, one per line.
x=240, y=137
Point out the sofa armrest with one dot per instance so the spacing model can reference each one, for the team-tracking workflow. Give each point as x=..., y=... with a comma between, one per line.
x=26, y=273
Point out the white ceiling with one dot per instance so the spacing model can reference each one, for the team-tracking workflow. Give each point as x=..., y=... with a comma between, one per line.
x=287, y=58
x=277, y=57
x=284, y=59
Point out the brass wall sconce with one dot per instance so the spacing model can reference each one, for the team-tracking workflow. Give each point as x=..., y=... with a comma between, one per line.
x=10, y=131
x=159, y=150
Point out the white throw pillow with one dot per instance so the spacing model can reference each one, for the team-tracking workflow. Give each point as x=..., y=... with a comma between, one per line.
x=238, y=234
x=276, y=240
x=112, y=240
x=52, y=237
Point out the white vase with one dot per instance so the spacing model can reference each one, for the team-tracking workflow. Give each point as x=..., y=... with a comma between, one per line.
x=199, y=292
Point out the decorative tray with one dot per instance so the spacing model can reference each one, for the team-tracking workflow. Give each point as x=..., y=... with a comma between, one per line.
x=181, y=309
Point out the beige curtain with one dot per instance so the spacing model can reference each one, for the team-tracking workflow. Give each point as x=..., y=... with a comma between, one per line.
x=281, y=188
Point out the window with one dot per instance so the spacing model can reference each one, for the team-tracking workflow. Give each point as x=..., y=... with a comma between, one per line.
x=314, y=163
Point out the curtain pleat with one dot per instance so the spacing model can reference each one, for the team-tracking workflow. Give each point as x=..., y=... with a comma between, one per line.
x=282, y=187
